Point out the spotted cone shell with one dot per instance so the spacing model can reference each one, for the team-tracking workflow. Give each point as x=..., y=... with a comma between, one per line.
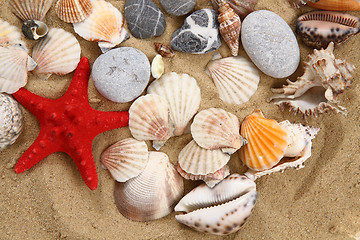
x=73, y=11
x=30, y=9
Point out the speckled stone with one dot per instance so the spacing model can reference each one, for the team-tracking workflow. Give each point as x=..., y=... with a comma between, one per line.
x=199, y=33
x=144, y=18
x=121, y=74
x=270, y=43
x=178, y=7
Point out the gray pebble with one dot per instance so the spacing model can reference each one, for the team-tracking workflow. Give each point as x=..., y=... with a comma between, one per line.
x=270, y=43
x=121, y=74
x=178, y=7
x=144, y=18
x=199, y=33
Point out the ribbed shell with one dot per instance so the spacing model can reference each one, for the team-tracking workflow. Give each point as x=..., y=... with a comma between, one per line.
x=73, y=11
x=9, y=34
x=267, y=142
x=183, y=95
x=235, y=78
x=153, y=194
x=30, y=9
x=336, y=5
x=196, y=160
x=58, y=53
x=125, y=159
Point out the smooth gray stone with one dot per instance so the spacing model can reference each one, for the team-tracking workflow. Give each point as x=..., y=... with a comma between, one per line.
x=121, y=74
x=178, y=7
x=199, y=33
x=270, y=43
x=144, y=18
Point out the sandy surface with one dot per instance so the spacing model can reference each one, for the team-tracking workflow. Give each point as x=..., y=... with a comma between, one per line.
x=321, y=201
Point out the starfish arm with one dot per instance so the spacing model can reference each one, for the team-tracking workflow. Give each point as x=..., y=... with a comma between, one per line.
x=111, y=120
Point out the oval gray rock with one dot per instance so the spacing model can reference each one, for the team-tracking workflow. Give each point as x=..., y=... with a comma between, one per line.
x=178, y=7
x=270, y=43
x=121, y=74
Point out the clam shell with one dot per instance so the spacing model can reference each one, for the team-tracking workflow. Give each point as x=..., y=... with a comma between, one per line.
x=241, y=7
x=183, y=95
x=9, y=34
x=214, y=128
x=336, y=5
x=220, y=210
x=11, y=120
x=267, y=142
x=125, y=159
x=157, y=66
x=149, y=119
x=58, y=53
x=73, y=11
x=235, y=78
x=153, y=194
x=30, y=9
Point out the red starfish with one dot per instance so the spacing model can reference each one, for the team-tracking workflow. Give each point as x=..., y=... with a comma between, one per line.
x=68, y=124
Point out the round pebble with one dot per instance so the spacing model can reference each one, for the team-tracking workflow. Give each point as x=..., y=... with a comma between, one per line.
x=121, y=74
x=270, y=43
x=178, y=7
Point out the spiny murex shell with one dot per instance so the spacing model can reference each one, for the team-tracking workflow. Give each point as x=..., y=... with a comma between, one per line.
x=220, y=210
x=125, y=159
x=30, y=9
x=315, y=92
x=73, y=11
x=153, y=194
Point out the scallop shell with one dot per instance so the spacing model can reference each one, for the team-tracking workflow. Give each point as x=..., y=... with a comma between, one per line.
x=199, y=161
x=30, y=9
x=149, y=119
x=125, y=159
x=164, y=50
x=214, y=128
x=34, y=29
x=73, y=11
x=220, y=210
x=235, y=78
x=267, y=142
x=9, y=34
x=104, y=25
x=183, y=95
x=153, y=194
x=58, y=53
x=157, y=66
x=241, y=7
x=336, y=5
x=11, y=120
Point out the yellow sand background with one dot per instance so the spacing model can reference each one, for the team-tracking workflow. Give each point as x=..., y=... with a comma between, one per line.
x=321, y=201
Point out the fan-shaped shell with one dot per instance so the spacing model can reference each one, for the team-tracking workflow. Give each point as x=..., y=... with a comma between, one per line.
x=267, y=142
x=9, y=34
x=73, y=11
x=58, y=53
x=125, y=159
x=183, y=95
x=30, y=9
x=153, y=194
x=215, y=128
x=235, y=78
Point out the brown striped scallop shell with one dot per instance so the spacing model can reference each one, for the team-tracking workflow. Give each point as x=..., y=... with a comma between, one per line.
x=30, y=9
x=73, y=11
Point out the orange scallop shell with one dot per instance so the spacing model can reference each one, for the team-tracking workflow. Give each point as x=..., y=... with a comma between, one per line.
x=336, y=5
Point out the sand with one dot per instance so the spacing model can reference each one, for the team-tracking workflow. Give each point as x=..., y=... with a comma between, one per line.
x=320, y=201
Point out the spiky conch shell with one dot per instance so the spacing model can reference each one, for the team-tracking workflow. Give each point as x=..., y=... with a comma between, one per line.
x=9, y=35
x=30, y=9
x=336, y=5
x=73, y=11
x=153, y=194
x=267, y=142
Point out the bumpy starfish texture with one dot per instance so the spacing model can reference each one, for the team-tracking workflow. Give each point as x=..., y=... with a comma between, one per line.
x=68, y=124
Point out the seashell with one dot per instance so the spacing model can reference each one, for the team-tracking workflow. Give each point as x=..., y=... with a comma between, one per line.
x=157, y=66
x=149, y=119
x=299, y=3
x=315, y=92
x=241, y=7
x=214, y=128
x=336, y=5
x=104, y=25
x=220, y=210
x=153, y=194
x=183, y=95
x=34, y=29
x=230, y=25
x=317, y=29
x=73, y=11
x=11, y=120
x=164, y=50
x=235, y=78
x=210, y=179
x=125, y=159
x=297, y=152
x=267, y=142
x=30, y=9
x=58, y=53
x=200, y=161
x=9, y=35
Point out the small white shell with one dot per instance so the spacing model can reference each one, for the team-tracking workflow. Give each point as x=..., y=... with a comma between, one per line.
x=157, y=66
x=30, y=9
x=9, y=34
x=73, y=11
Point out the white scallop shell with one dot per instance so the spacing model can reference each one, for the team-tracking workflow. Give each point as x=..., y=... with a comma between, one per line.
x=104, y=25
x=153, y=194
x=58, y=53
x=183, y=95
x=214, y=128
x=125, y=159
x=157, y=66
x=235, y=78
x=73, y=11
x=199, y=161
x=30, y=9
x=9, y=34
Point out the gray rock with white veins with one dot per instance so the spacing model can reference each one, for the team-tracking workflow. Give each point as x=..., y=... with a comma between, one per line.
x=178, y=7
